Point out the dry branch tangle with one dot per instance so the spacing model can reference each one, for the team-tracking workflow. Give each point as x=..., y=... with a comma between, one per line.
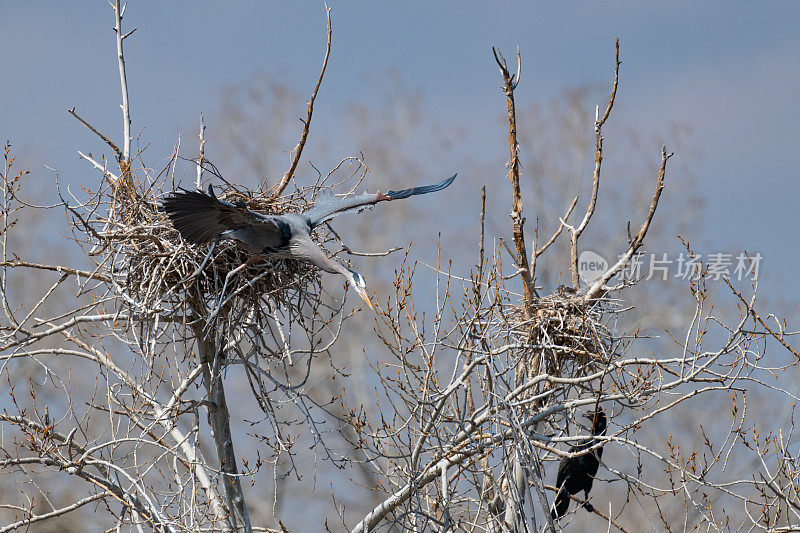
x=136, y=300
x=472, y=405
x=479, y=430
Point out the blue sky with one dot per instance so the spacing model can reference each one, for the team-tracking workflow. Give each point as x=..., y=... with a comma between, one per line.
x=731, y=70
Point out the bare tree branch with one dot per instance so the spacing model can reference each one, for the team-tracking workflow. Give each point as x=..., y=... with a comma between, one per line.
x=126, y=112
x=598, y=287
x=598, y=160
x=201, y=157
x=219, y=418
x=108, y=141
x=278, y=188
x=509, y=84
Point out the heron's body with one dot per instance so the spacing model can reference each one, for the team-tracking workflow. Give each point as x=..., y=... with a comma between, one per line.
x=203, y=218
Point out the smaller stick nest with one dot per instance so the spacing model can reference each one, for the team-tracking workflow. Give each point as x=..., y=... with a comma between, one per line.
x=564, y=334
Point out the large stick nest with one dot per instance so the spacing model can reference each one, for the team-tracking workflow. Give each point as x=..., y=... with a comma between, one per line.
x=155, y=271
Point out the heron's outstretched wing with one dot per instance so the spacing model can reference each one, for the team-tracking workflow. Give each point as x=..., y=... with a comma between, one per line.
x=328, y=206
x=201, y=218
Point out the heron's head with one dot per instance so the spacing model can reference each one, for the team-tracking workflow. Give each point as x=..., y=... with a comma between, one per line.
x=598, y=419
x=360, y=286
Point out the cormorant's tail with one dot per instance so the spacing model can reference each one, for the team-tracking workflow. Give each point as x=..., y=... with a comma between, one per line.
x=561, y=504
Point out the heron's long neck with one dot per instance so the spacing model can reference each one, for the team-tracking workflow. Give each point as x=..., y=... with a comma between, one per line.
x=339, y=268
x=310, y=251
x=335, y=267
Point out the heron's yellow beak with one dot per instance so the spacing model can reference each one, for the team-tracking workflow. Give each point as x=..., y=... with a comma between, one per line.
x=361, y=292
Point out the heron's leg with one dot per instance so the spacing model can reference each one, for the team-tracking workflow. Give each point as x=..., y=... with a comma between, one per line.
x=212, y=317
x=204, y=263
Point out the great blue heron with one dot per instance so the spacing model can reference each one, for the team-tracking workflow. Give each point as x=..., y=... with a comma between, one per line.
x=202, y=218
x=576, y=474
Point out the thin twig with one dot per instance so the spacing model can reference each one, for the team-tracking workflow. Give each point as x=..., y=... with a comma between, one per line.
x=108, y=141
x=598, y=160
x=278, y=189
x=598, y=287
x=201, y=156
x=752, y=311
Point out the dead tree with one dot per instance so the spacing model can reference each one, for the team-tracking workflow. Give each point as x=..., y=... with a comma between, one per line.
x=118, y=387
